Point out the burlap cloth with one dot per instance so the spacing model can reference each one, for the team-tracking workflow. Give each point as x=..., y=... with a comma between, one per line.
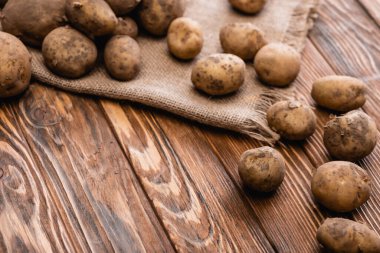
x=165, y=82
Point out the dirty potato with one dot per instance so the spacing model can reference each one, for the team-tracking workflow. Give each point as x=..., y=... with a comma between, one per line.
x=291, y=120
x=32, y=20
x=185, y=38
x=126, y=26
x=350, y=137
x=248, y=6
x=93, y=17
x=68, y=53
x=262, y=169
x=341, y=186
x=15, y=66
x=342, y=235
x=339, y=93
x=277, y=64
x=242, y=39
x=156, y=15
x=122, y=7
x=218, y=74
x=122, y=57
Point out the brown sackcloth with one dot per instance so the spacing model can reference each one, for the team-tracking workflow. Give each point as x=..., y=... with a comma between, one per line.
x=165, y=82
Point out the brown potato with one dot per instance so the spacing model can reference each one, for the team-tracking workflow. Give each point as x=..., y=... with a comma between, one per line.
x=15, y=66
x=262, y=169
x=122, y=7
x=93, y=17
x=339, y=93
x=218, y=74
x=185, y=38
x=292, y=120
x=156, y=15
x=242, y=39
x=350, y=137
x=69, y=53
x=126, y=26
x=122, y=57
x=343, y=235
x=32, y=20
x=277, y=64
x=341, y=186
x=248, y=6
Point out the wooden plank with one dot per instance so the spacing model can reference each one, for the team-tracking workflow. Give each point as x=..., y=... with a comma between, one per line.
x=88, y=172
x=373, y=9
x=29, y=219
x=191, y=192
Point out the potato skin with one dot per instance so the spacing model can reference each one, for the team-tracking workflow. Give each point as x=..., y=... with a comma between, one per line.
x=218, y=74
x=343, y=235
x=277, y=64
x=15, y=66
x=156, y=15
x=291, y=120
x=350, y=137
x=69, y=53
x=93, y=17
x=122, y=7
x=126, y=26
x=122, y=57
x=32, y=20
x=341, y=186
x=242, y=39
x=185, y=38
x=248, y=6
x=262, y=169
x=339, y=93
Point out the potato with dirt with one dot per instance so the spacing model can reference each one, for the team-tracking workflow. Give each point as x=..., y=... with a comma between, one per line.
x=262, y=169
x=32, y=20
x=218, y=74
x=15, y=66
x=342, y=235
x=122, y=57
x=242, y=39
x=277, y=64
x=126, y=26
x=248, y=6
x=185, y=38
x=292, y=120
x=341, y=186
x=92, y=17
x=69, y=53
x=339, y=93
x=156, y=15
x=122, y=7
x=350, y=137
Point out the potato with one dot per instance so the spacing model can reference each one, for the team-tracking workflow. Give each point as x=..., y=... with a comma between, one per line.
x=122, y=57
x=32, y=20
x=126, y=26
x=262, y=169
x=339, y=93
x=185, y=38
x=218, y=74
x=342, y=235
x=248, y=6
x=69, y=53
x=350, y=137
x=242, y=39
x=93, y=17
x=341, y=186
x=122, y=7
x=15, y=66
x=277, y=64
x=292, y=120
x=156, y=15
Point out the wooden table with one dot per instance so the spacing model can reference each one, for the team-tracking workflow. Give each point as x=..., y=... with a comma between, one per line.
x=83, y=174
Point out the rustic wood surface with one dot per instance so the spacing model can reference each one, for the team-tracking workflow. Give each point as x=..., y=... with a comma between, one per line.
x=81, y=174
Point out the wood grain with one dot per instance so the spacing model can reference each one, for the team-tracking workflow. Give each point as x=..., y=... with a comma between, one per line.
x=88, y=173
x=194, y=198
x=373, y=9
